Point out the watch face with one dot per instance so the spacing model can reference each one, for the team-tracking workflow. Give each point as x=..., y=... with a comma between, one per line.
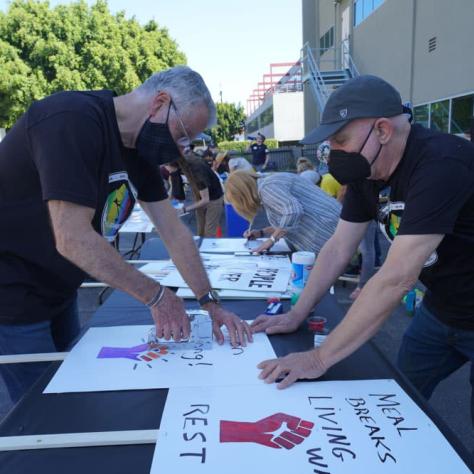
x=214, y=295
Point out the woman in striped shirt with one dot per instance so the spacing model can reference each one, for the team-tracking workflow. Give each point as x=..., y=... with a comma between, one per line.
x=296, y=209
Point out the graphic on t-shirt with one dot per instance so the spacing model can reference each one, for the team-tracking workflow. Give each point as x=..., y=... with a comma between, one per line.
x=390, y=217
x=267, y=431
x=119, y=205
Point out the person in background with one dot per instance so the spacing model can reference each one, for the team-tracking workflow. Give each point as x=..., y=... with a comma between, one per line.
x=239, y=163
x=176, y=183
x=259, y=153
x=306, y=170
x=296, y=209
x=221, y=164
x=211, y=202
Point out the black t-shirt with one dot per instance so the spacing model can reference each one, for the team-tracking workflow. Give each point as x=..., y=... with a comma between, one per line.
x=206, y=178
x=177, y=185
x=431, y=192
x=65, y=147
x=259, y=154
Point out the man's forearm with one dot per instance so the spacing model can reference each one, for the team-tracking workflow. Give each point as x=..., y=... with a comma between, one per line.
x=93, y=254
x=197, y=205
x=378, y=299
x=330, y=263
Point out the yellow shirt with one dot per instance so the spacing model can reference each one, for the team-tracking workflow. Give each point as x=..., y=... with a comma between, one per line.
x=330, y=186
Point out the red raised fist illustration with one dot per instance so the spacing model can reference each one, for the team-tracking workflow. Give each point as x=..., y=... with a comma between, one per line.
x=268, y=431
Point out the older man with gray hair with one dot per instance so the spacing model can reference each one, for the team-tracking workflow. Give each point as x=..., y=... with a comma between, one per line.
x=71, y=170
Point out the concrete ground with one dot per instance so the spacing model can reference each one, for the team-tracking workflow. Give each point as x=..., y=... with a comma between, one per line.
x=451, y=399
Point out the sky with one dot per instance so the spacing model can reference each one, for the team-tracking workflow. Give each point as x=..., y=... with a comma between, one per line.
x=231, y=44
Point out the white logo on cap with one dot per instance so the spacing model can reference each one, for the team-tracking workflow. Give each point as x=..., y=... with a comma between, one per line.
x=343, y=113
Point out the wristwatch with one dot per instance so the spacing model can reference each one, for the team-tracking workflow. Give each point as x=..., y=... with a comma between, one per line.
x=211, y=297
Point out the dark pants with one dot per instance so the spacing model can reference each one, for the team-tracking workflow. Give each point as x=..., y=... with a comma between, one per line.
x=46, y=336
x=431, y=351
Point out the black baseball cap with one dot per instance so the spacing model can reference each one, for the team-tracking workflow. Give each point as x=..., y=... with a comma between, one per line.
x=362, y=97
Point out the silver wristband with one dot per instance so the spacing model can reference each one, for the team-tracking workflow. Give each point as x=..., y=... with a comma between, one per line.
x=157, y=298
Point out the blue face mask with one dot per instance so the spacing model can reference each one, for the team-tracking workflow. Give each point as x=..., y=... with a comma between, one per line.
x=156, y=144
x=349, y=167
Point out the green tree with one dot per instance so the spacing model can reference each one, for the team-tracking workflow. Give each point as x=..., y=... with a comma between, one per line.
x=229, y=117
x=45, y=50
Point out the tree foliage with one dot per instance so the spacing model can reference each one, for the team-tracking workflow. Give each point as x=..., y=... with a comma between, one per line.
x=229, y=117
x=75, y=47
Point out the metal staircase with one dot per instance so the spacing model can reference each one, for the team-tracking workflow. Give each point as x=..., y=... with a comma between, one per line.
x=323, y=82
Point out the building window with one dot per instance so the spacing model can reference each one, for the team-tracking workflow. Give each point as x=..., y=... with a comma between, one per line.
x=421, y=115
x=462, y=112
x=440, y=116
x=266, y=118
x=364, y=8
x=327, y=40
x=252, y=126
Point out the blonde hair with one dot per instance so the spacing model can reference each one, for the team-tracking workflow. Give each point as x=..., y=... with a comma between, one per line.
x=241, y=191
x=304, y=166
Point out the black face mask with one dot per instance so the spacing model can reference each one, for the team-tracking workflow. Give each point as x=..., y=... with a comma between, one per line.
x=156, y=144
x=348, y=167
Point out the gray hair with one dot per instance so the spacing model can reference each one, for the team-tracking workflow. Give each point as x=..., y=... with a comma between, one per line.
x=186, y=87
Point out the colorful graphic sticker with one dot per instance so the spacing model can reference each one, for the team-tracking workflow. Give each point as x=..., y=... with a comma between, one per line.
x=119, y=205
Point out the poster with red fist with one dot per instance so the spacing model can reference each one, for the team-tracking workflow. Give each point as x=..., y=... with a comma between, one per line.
x=365, y=426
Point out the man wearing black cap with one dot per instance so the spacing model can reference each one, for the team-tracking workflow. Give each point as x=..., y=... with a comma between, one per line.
x=259, y=153
x=429, y=219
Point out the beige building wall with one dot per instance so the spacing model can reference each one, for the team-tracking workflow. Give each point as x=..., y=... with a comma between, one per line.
x=392, y=42
x=382, y=44
x=449, y=69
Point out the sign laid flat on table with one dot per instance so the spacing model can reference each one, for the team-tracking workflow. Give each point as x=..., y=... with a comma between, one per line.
x=267, y=274
x=187, y=294
x=138, y=222
x=364, y=426
x=120, y=358
x=239, y=245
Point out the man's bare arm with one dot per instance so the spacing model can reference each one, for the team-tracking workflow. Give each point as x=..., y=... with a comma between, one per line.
x=380, y=295
x=77, y=241
x=180, y=244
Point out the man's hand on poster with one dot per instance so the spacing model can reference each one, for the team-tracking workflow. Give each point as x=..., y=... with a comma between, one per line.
x=268, y=431
x=171, y=320
x=300, y=365
x=239, y=330
x=279, y=324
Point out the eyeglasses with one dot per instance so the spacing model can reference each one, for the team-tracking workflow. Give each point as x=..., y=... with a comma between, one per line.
x=185, y=141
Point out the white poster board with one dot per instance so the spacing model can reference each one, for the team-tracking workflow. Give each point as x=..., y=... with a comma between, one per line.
x=209, y=245
x=138, y=222
x=262, y=274
x=366, y=427
x=119, y=358
x=187, y=294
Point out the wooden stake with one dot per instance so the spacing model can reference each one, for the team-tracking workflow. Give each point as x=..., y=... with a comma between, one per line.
x=78, y=440
x=24, y=358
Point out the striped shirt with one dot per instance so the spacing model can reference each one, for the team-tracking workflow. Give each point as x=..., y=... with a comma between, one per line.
x=295, y=204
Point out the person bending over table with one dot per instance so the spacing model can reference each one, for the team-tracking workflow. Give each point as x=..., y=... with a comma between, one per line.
x=71, y=170
x=430, y=219
x=211, y=202
x=296, y=209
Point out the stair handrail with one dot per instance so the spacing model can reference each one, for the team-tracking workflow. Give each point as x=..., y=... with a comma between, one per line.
x=347, y=53
x=318, y=86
